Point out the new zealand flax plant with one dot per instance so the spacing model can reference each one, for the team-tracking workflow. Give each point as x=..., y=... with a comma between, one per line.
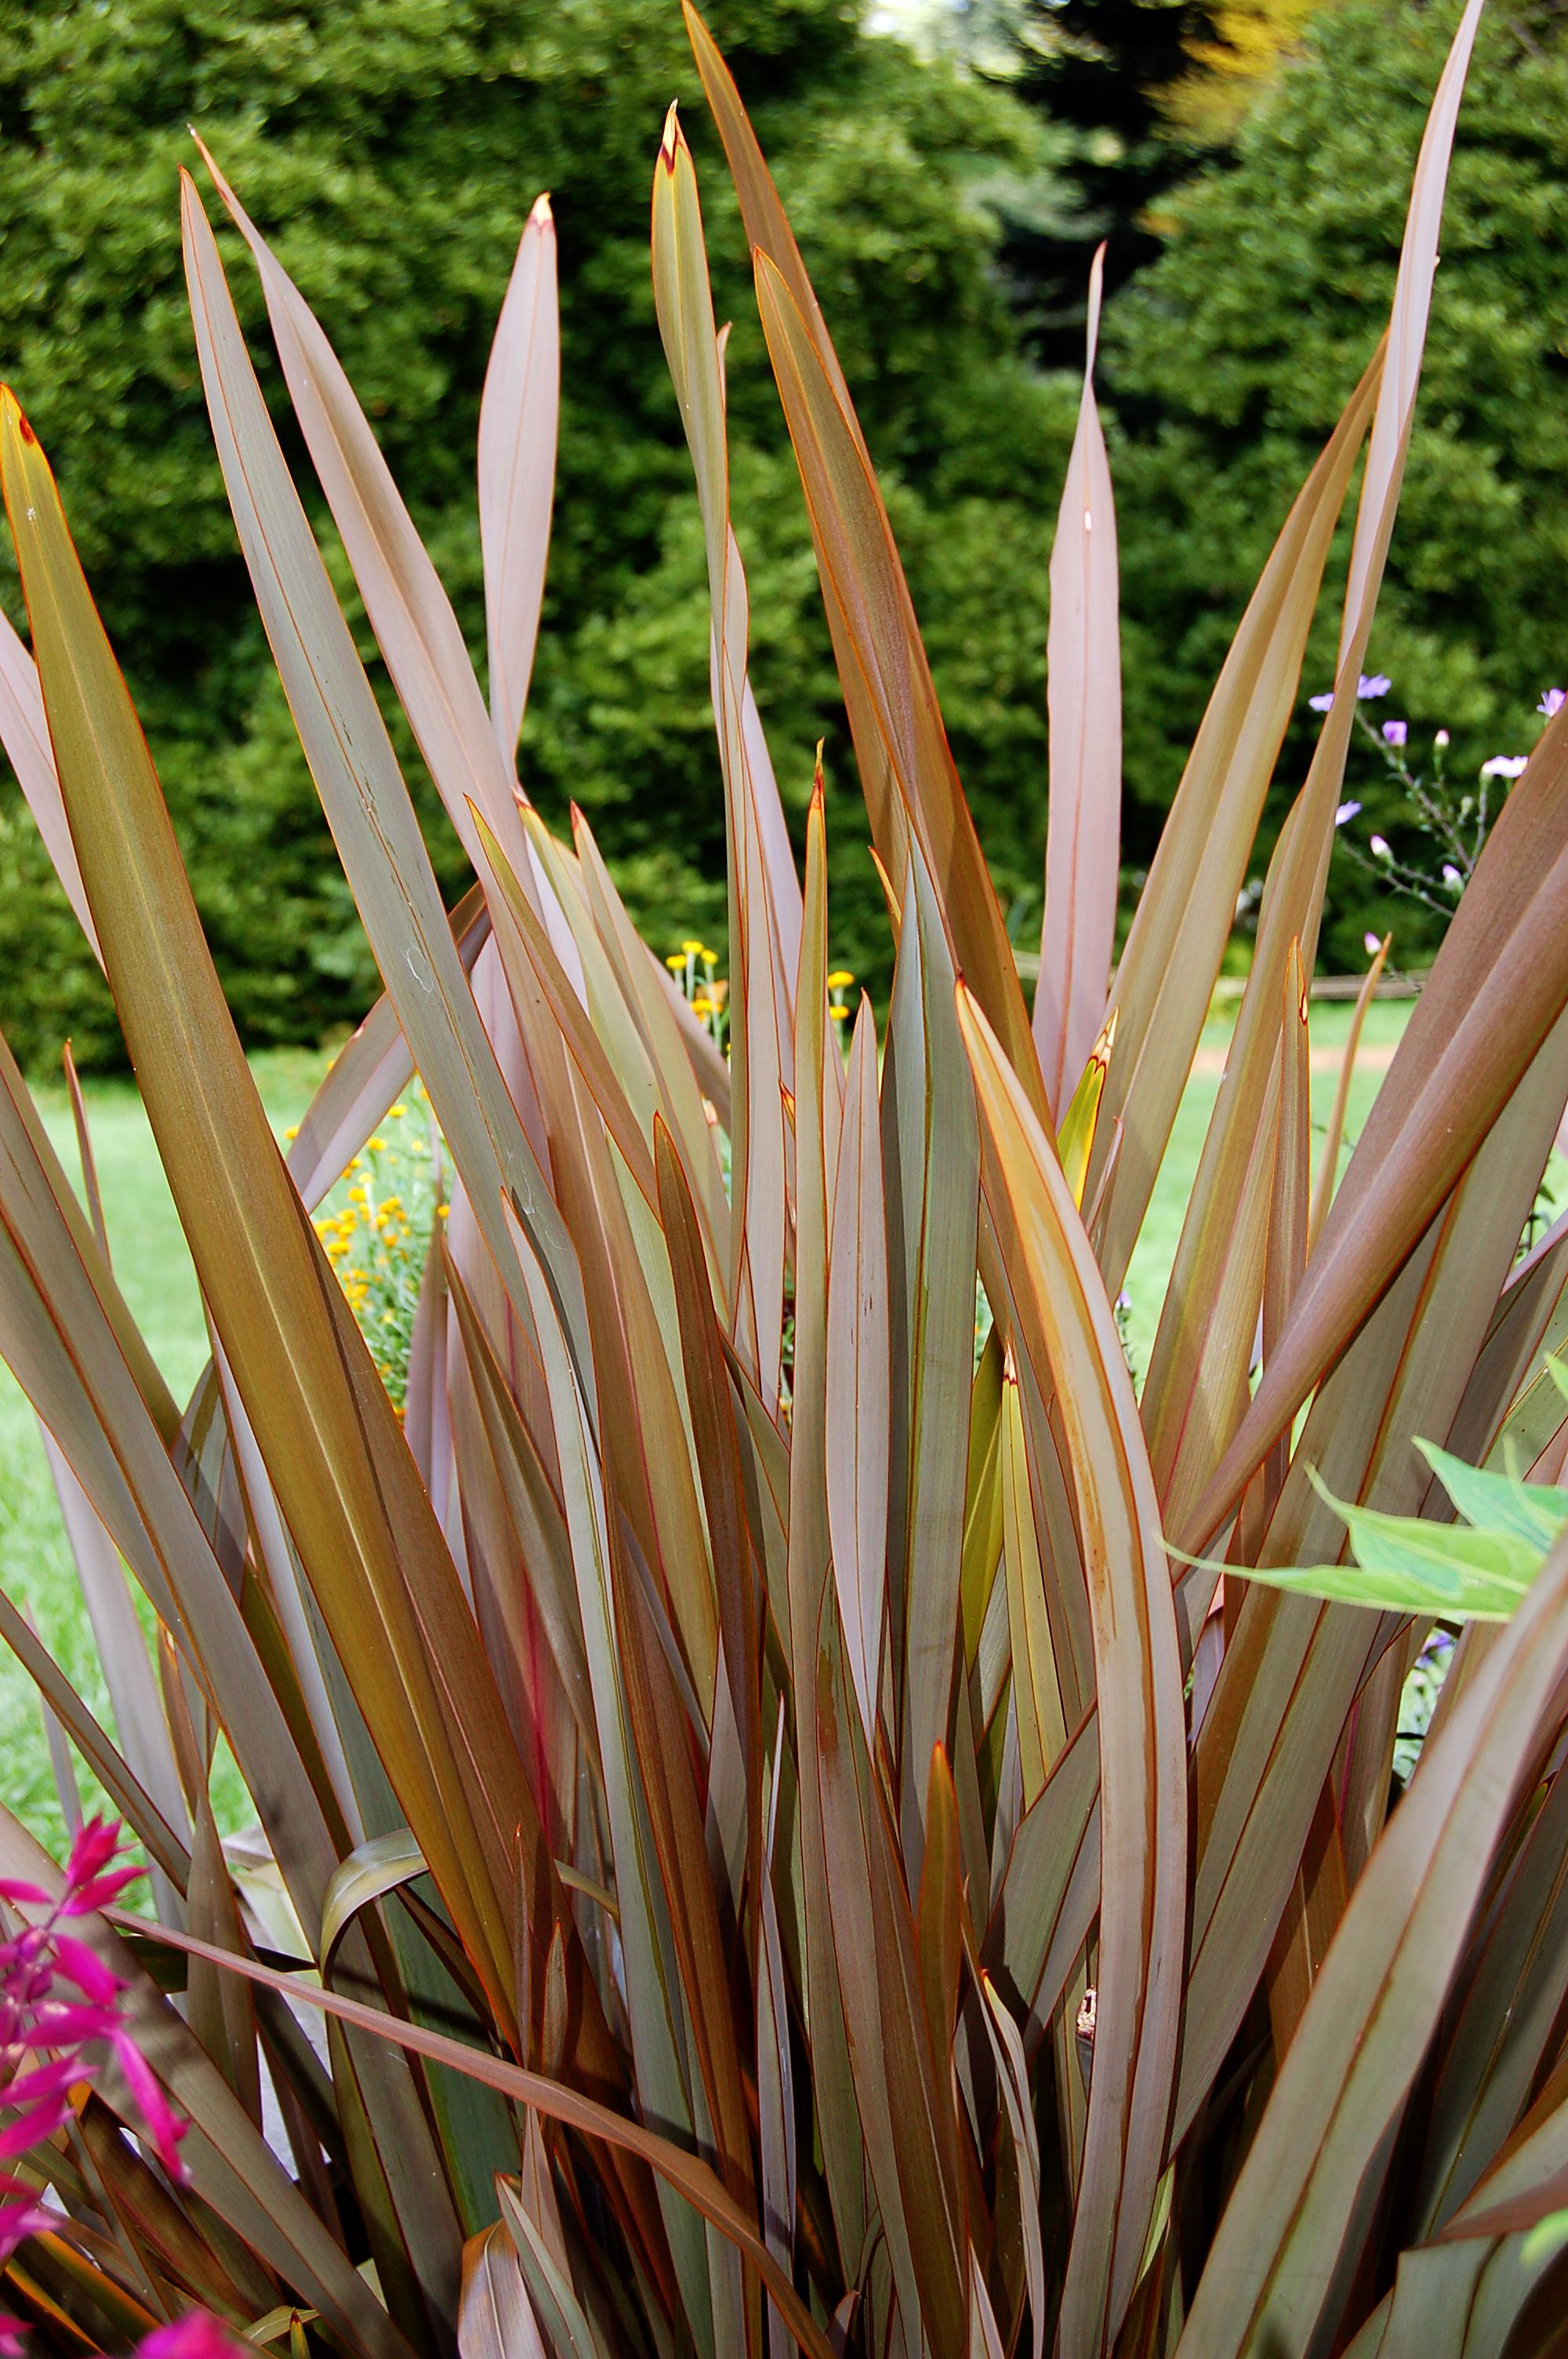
x=772, y=1834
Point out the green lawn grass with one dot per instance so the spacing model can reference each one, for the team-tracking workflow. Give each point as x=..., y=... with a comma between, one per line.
x=159, y=1284
x=1156, y=1246
x=155, y=1272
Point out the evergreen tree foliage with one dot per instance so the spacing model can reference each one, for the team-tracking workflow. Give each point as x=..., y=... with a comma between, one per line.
x=1230, y=358
x=1106, y=71
x=391, y=150
x=1231, y=68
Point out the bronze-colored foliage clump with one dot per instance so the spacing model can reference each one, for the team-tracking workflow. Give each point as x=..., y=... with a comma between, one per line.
x=771, y=1836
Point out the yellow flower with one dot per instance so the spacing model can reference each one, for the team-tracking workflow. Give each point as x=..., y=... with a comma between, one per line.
x=693, y=948
x=840, y=979
x=443, y=1210
x=396, y=1112
x=376, y=1146
x=840, y=1014
x=360, y=1195
x=293, y=1131
x=703, y=1006
x=675, y=960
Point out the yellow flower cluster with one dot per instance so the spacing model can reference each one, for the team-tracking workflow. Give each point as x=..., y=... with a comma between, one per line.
x=696, y=969
x=367, y=1241
x=376, y=1239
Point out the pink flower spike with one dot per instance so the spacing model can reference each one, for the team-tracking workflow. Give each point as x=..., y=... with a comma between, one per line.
x=87, y=1970
x=88, y=1898
x=163, y=2126
x=18, y=2221
x=94, y=1847
x=62, y=2025
x=197, y=2335
x=30, y=2129
x=30, y=1895
x=44, y=2081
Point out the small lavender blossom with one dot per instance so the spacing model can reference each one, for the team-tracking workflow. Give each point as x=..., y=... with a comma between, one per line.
x=1379, y=847
x=1551, y=703
x=1440, y=740
x=1371, y=945
x=1373, y=684
x=1504, y=765
x=1452, y=877
x=1395, y=731
x=1324, y=703
x=1346, y=813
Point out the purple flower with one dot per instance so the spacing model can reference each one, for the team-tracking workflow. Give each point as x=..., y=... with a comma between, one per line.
x=1373, y=684
x=1441, y=739
x=1378, y=848
x=1395, y=733
x=1504, y=765
x=1346, y=813
x=1323, y=703
x=1371, y=945
x=1551, y=703
x=1452, y=877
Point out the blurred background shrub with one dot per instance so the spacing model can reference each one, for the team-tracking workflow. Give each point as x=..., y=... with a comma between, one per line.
x=392, y=149
x=949, y=170
x=1232, y=354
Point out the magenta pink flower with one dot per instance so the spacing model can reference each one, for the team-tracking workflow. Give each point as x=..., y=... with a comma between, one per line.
x=161, y=2122
x=197, y=2335
x=60, y=2020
